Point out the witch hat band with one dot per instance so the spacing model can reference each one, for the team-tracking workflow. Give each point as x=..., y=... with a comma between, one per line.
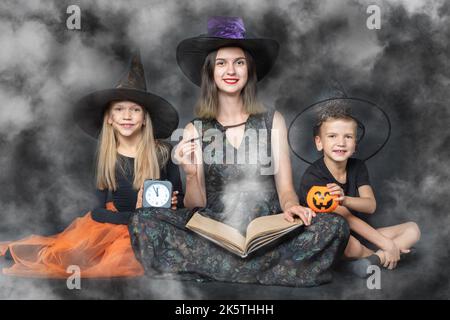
x=301, y=142
x=225, y=32
x=90, y=109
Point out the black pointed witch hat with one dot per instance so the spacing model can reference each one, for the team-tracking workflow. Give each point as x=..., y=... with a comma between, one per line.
x=225, y=32
x=374, y=127
x=90, y=109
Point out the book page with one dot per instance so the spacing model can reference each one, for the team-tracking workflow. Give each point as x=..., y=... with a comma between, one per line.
x=268, y=225
x=264, y=240
x=217, y=230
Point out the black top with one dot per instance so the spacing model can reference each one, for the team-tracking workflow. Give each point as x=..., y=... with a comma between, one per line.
x=318, y=174
x=125, y=197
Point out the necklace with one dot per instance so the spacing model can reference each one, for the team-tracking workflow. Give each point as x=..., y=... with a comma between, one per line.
x=225, y=128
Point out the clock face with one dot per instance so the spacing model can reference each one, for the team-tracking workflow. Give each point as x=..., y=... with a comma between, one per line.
x=157, y=195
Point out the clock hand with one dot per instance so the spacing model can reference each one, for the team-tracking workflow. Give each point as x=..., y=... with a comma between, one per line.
x=156, y=191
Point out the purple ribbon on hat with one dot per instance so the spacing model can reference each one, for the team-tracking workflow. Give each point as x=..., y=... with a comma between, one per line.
x=226, y=27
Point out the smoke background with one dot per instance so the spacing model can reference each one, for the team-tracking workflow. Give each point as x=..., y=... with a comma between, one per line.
x=326, y=50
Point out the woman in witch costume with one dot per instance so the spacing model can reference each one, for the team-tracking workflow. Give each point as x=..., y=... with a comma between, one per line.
x=227, y=64
x=130, y=121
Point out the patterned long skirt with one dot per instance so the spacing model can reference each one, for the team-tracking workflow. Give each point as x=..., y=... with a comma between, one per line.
x=304, y=258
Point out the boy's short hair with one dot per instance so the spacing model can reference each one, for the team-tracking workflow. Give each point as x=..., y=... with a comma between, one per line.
x=333, y=109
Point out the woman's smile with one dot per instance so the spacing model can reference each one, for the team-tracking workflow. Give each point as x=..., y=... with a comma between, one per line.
x=231, y=80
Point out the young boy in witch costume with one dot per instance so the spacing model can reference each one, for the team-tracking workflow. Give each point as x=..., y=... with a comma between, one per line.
x=335, y=134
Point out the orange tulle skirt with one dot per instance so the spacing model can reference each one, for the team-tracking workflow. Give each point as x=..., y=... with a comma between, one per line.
x=99, y=250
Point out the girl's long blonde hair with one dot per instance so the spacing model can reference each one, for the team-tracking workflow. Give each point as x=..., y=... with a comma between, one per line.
x=151, y=155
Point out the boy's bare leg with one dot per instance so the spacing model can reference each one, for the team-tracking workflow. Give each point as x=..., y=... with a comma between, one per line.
x=355, y=250
x=404, y=235
x=361, y=258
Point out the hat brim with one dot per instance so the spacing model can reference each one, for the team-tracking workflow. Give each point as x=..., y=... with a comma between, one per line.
x=191, y=54
x=374, y=136
x=90, y=109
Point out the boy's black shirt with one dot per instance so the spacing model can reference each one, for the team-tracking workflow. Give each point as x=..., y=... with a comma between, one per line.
x=318, y=174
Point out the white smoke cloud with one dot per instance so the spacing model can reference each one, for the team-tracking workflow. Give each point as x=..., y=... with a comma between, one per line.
x=15, y=113
x=25, y=48
x=87, y=67
x=23, y=9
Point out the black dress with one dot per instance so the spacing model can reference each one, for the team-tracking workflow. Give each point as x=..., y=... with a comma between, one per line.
x=237, y=193
x=125, y=197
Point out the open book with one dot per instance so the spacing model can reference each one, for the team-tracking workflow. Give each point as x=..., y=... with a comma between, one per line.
x=260, y=232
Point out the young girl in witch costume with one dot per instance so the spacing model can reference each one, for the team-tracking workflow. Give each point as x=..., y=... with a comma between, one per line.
x=131, y=120
x=227, y=65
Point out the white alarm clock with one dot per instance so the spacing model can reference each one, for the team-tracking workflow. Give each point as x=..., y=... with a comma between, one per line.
x=157, y=194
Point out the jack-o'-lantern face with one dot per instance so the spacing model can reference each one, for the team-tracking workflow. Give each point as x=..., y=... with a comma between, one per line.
x=319, y=199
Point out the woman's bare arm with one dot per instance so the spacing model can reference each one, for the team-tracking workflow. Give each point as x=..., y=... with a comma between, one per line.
x=189, y=155
x=283, y=173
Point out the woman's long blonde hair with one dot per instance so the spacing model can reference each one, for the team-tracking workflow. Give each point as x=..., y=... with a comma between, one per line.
x=151, y=155
x=208, y=104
